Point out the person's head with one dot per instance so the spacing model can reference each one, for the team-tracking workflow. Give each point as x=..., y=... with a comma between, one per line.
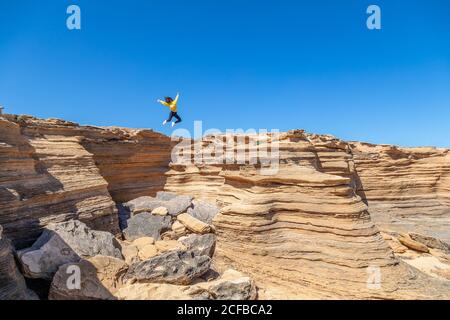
x=168, y=99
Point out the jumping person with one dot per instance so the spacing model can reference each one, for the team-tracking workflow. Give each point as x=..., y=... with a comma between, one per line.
x=172, y=104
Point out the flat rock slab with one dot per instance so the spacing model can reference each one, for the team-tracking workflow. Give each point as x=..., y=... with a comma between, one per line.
x=98, y=278
x=193, y=224
x=146, y=225
x=406, y=240
x=165, y=196
x=203, y=211
x=65, y=242
x=232, y=285
x=174, y=204
x=200, y=244
x=430, y=242
x=174, y=267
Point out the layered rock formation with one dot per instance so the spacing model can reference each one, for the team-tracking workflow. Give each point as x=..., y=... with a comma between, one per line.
x=309, y=230
x=47, y=176
x=407, y=189
x=303, y=232
x=133, y=162
x=53, y=170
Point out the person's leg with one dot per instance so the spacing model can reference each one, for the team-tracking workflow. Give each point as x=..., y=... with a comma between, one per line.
x=177, y=117
x=171, y=115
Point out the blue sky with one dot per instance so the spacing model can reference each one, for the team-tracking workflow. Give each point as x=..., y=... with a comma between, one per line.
x=237, y=64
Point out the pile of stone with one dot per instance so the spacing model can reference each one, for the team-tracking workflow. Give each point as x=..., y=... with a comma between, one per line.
x=167, y=216
x=166, y=253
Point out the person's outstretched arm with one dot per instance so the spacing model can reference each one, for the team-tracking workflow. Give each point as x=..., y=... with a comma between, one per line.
x=176, y=98
x=163, y=102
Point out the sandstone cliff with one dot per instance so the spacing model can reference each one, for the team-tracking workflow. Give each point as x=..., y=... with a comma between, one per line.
x=312, y=230
x=407, y=189
x=53, y=170
x=133, y=162
x=303, y=232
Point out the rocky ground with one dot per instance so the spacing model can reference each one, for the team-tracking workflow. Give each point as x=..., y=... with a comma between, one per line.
x=166, y=252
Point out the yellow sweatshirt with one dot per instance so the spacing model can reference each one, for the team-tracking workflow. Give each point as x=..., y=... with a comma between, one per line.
x=172, y=105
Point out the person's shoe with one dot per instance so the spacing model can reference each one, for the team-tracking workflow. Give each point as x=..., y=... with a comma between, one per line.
x=173, y=124
x=164, y=122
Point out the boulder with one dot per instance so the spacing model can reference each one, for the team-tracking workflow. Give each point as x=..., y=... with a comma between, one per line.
x=178, y=228
x=130, y=253
x=140, y=242
x=168, y=245
x=148, y=251
x=430, y=242
x=160, y=211
x=212, y=274
x=173, y=203
x=169, y=235
x=232, y=285
x=165, y=196
x=174, y=267
x=12, y=283
x=177, y=205
x=193, y=224
x=99, y=278
x=140, y=204
x=110, y=271
x=203, y=211
x=396, y=246
x=200, y=244
x=412, y=244
x=63, y=243
x=146, y=225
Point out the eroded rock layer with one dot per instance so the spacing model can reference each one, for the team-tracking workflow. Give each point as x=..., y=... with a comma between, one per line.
x=407, y=189
x=302, y=232
x=133, y=162
x=12, y=283
x=53, y=170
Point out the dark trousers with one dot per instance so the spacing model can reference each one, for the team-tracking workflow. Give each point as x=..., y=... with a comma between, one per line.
x=174, y=115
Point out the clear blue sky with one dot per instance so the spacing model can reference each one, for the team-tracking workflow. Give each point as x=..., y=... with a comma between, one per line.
x=237, y=64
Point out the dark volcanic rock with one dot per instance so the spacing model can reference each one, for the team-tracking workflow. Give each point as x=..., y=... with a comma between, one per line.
x=175, y=267
x=200, y=244
x=65, y=242
x=12, y=283
x=203, y=211
x=93, y=279
x=173, y=203
x=232, y=285
x=141, y=204
x=146, y=225
x=165, y=196
x=178, y=205
x=235, y=289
